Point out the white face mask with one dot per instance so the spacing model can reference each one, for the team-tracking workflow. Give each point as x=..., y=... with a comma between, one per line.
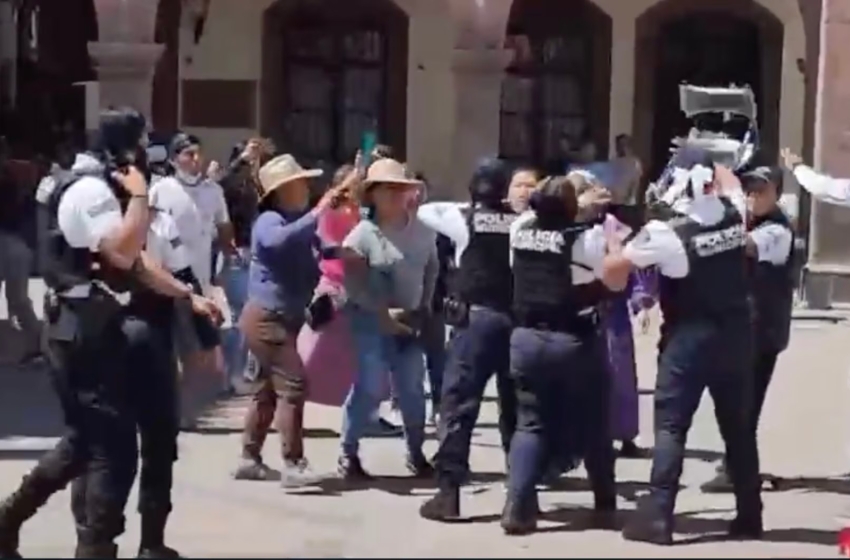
x=186, y=178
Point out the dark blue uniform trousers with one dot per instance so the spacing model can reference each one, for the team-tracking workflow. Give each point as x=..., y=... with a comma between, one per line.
x=562, y=387
x=693, y=357
x=476, y=352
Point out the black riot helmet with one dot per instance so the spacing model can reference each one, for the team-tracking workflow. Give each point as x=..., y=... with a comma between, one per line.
x=119, y=139
x=489, y=183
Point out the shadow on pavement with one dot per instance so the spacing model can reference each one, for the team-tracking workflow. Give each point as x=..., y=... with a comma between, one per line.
x=398, y=485
x=829, y=485
x=714, y=530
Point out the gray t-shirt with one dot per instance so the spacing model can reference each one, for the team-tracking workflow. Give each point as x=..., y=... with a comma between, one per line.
x=402, y=267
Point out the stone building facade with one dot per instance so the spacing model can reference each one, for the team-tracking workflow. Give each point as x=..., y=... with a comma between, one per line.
x=447, y=81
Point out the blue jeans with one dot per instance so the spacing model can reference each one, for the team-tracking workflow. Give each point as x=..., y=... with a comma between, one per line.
x=378, y=354
x=235, y=285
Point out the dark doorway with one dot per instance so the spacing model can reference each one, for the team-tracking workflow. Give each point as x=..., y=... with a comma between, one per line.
x=331, y=72
x=559, y=94
x=704, y=49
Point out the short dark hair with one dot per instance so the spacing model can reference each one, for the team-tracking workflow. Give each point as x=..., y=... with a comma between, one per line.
x=180, y=142
x=555, y=200
x=119, y=131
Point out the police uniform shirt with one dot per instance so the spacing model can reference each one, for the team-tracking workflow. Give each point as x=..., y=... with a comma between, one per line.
x=773, y=243
x=448, y=219
x=657, y=244
x=164, y=244
x=88, y=212
x=588, y=250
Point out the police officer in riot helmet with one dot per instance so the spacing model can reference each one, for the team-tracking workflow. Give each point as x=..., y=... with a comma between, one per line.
x=86, y=235
x=701, y=256
x=478, y=307
x=96, y=227
x=556, y=360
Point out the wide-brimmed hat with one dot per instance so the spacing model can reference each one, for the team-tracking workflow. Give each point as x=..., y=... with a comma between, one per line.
x=282, y=170
x=390, y=172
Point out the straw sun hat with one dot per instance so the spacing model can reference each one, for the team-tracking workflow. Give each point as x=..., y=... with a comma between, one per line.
x=389, y=172
x=282, y=170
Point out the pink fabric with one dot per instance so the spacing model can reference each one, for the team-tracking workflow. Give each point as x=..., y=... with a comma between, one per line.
x=328, y=354
x=333, y=227
x=329, y=360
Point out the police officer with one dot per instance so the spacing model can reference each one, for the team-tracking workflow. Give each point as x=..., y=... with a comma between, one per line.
x=705, y=340
x=479, y=310
x=87, y=347
x=770, y=243
x=556, y=360
x=154, y=382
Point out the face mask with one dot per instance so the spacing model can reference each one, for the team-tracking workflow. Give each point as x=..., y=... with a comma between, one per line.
x=187, y=178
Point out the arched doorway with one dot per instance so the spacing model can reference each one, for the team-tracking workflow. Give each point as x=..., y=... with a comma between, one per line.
x=710, y=43
x=560, y=93
x=332, y=71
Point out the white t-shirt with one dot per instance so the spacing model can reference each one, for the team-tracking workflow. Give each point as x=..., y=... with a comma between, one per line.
x=164, y=243
x=197, y=210
x=588, y=250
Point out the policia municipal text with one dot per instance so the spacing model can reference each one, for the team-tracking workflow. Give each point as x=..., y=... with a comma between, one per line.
x=91, y=252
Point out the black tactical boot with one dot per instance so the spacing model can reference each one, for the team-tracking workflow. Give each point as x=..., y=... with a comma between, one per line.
x=746, y=528
x=20, y=506
x=444, y=506
x=649, y=525
x=519, y=517
x=102, y=550
x=152, y=544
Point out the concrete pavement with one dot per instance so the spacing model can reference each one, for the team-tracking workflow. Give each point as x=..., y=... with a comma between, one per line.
x=803, y=436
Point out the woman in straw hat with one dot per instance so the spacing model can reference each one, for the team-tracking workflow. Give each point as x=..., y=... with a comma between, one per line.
x=391, y=268
x=283, y=274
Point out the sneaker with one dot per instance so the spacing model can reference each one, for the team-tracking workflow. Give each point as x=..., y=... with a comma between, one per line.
x=351, y=469
x=298, y=474
x=419, y=466
x=383, y=428
x=444, y=506
x=252, y=469
x=720, y=484
x=742, y=528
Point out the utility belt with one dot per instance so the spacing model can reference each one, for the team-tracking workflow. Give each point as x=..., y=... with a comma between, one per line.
x=456, y=311
x=581, y=323
x=81, y=318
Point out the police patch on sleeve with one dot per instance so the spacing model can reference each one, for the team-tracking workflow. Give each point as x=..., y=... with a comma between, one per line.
x=104, y=206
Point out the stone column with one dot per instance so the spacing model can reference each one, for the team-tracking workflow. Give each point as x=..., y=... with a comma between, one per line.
x=478, y=75
x=126, y=55
x=622, y=74
x=828, y=268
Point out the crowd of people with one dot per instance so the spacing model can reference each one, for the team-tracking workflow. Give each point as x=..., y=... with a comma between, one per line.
x=534, y=281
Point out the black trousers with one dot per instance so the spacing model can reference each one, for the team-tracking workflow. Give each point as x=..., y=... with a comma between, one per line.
x=475, y=354
x=88, y=371
x=563, y=394
x=763, y=367
x=695, y=357
x=153, y=384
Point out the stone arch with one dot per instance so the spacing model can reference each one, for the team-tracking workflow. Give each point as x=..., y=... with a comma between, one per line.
x=285, y=17
x=782, y=41
x=582, y=67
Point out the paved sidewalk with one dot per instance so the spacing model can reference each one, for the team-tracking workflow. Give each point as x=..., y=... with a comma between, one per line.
x=803, y=436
